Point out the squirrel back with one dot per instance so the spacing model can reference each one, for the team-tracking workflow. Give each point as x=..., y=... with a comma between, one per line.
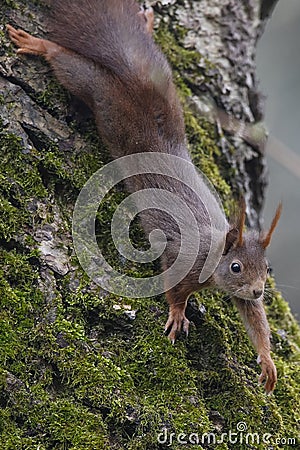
x=110, y=33
x=124, y=64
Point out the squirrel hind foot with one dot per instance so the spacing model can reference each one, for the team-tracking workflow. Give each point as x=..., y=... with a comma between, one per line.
x=147, y=14
x=175, y=323
x=25, y=42
x=31, y=45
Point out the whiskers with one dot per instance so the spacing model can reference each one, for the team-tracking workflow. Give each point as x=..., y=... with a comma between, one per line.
x=280, y=288
x=287, y=286
x=234, y=294
x=268, y=295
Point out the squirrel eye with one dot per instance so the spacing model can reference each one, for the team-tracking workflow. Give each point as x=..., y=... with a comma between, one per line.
x=269, y=270
x=235, y=267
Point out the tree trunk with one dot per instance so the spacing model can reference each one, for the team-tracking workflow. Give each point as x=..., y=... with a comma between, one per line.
x=82, y=368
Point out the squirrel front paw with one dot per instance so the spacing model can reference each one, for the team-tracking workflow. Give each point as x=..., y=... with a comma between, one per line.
x=268, y=373
x=147, y=15
x=175, y=323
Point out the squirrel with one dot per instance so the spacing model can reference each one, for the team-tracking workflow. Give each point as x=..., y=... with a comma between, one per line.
x=103, y=52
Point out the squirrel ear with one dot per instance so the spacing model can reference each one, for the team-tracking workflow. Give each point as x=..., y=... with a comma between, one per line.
x=231, y=239
x=234, y=236
x=265, y=238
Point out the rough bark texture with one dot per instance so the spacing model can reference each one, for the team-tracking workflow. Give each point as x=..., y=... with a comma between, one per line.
x=81, y=368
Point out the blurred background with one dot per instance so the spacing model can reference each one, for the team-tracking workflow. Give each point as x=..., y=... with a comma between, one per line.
x=278, y=61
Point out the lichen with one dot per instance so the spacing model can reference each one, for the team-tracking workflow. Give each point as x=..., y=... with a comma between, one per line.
x=79, y=372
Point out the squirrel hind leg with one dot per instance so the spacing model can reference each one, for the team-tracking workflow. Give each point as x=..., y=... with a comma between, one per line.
x=147, y=14
x=31, y=45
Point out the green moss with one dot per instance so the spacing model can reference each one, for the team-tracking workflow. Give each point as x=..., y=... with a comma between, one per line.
x=20, y=183
x=94, y=373
x=52, y=97
x=181, y=59
x=10, y=3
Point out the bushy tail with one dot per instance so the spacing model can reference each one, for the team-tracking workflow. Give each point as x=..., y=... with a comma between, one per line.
x=111, y=33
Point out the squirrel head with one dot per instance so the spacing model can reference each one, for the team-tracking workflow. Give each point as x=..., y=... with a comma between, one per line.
x=243, y=268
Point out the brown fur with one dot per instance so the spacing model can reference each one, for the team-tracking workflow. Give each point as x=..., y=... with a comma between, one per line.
x=102, y=51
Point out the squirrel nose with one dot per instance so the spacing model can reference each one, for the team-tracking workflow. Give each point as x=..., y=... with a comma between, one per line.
x=257, y=292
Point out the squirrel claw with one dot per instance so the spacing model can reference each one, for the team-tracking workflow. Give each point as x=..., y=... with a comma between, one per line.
x=18, y=37
x=268, y=374
x=175, y=323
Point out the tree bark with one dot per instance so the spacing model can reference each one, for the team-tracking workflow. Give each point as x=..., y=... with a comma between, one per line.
x=84, y=369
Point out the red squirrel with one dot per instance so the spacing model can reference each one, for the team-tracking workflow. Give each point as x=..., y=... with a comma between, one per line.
x=104, y=53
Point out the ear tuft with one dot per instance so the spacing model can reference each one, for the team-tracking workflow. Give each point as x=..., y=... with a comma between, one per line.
x=241, y=222
x=266, y=237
